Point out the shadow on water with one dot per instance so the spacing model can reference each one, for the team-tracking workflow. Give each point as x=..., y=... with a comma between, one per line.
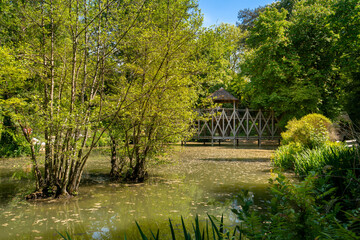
x=14, y=190
x=231, y=193
x=252, y=160
x=89, y=179
x=231, y=146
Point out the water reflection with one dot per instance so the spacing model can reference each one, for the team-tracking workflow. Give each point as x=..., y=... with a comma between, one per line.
x=199, y=180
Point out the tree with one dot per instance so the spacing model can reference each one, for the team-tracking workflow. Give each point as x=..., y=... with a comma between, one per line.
x=156, y=57
x=247, y=17
x=13, y=78
x=68, y=47
x=270, y=66
x=313, y=39
x=345, y=23
x=290, y=62
x=216, y=57
x=9, y=23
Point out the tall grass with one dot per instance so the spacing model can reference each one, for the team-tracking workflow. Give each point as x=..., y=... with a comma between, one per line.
x=335, y=158
x=284, y=157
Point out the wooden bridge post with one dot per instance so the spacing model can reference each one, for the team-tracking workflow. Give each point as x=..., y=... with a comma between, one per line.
x=260, y=130
x=212, y=129
x=222, y=128
x=272, y=124
x=247, y=123
x=199, y=123
x=234, y=125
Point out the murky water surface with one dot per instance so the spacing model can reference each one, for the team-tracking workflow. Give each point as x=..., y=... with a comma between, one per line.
x=198, y=180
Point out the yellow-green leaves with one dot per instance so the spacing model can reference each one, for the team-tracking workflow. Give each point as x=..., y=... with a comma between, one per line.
x=12, y=73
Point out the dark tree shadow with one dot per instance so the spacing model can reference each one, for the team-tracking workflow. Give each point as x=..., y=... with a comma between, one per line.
x=236, y=159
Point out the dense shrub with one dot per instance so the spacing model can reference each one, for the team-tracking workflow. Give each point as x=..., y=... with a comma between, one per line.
x=325, y=204
x=307, y=210
x=311, y=131
x=338, y=167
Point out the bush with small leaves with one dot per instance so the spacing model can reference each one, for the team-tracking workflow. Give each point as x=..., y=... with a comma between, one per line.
x=311, y=131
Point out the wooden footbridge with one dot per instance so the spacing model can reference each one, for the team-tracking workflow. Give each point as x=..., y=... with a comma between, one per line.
x=235, y=124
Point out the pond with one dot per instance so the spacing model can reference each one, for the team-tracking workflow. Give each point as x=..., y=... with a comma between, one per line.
x=197, y=180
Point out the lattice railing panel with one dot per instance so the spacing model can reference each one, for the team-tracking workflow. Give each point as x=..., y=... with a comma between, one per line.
x=236, y=123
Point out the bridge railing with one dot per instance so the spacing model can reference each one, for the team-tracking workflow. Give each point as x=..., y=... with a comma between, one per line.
x=229, y=123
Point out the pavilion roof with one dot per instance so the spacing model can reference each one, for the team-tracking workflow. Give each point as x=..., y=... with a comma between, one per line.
x=223, y=96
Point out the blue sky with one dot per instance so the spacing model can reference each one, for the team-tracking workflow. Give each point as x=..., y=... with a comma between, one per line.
x=218, y=11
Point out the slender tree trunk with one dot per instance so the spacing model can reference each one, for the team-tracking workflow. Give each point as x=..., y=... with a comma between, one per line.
x=38, y=176
x=114, y=173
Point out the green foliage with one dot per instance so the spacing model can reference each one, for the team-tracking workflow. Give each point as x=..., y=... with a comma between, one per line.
x=246, y=17
x=162, y=92
x=306, y=146
x=345, y=23
x=12, y=81
x=216, y=59
x=80, y=67
x=284, y=156
x=291, y=213
x=291, y=60
x=335, y=157
x=12, y=73
x=67, y=237
x=310, y=131
x=11, y=145
x=307, y=210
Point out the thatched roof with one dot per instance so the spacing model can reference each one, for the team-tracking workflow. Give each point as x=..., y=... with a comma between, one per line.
x=223, y=96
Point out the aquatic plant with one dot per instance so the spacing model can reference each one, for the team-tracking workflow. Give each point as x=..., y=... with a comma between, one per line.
x=67, y=237
x=218, y=231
